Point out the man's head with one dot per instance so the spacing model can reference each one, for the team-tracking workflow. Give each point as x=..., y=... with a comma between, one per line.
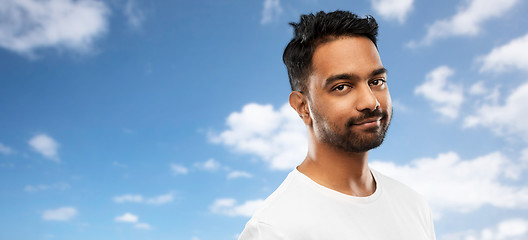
x=314, y=30
x=341, y=95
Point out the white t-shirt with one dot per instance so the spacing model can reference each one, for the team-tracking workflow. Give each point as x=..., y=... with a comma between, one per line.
x=301, y=209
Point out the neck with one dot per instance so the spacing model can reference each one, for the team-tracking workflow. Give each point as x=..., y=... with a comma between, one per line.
x=339, y=170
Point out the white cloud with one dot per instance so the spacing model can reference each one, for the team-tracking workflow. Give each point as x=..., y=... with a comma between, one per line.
x=161, y=199
x=524, y=155
x=507, y=119
x=227, y=206
x=209, y=165
x=145, y=226
x=178, y=169
x=445, y=96
x=510, y=229
x=239, y=174
x=46, y=146
x=137, y=198
x=399, y=106
x=482, y=94
x=277, y=137
x=42, y=187
x=5, y=149
x=134, y=14
x=127, y=217
x=28, y=25
x=133, y=219
x=467, y=21
x=513, y=55
x=129, y=198
x=59, y=214
x=478, y=89
x=393, y=9
x=272, y=10
x=452, y=184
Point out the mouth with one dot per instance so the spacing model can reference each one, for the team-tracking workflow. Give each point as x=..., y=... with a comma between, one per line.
x=369, y=122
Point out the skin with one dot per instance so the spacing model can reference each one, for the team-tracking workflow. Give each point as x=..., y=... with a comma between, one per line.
x=347, y=81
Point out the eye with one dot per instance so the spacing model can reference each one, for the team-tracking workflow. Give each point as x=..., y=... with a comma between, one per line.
x=377, y=82
x=341, y=88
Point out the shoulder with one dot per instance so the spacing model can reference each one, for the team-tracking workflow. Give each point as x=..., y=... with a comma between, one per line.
x=409, y=202
x=412, y=204
x=280, y=209
x=283, y=199
x=257, y=230
x=291, y=207
x=398, y=190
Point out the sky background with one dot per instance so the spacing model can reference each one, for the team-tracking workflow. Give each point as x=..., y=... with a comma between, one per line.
x=129, y=119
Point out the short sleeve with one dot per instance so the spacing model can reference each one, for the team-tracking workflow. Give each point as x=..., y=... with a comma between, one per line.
x=256, y=230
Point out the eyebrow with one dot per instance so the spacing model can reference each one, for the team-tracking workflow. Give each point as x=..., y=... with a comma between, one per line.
x=351, y=76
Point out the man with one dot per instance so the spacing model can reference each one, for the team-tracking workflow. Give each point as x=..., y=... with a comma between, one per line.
x=339, y=89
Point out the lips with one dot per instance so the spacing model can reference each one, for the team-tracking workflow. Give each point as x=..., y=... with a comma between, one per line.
x=369, y=120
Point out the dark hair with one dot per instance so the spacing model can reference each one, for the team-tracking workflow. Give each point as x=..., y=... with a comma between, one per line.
x=313, y=30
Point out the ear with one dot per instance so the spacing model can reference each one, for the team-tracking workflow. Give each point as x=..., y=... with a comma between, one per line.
x=299, y=102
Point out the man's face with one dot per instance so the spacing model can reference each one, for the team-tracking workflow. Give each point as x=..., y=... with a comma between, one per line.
x=348, y=95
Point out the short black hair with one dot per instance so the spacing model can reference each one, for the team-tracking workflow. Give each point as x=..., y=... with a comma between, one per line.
x=313, y=30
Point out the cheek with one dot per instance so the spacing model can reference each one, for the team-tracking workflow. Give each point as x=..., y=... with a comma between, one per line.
x=386, y=104
x=384, y=99
x=340, y=111
x=329, y=110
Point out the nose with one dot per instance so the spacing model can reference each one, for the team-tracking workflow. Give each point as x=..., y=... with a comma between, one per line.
x=366, y=100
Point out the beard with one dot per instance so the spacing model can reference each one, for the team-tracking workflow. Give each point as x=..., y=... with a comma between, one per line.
x=349, y=140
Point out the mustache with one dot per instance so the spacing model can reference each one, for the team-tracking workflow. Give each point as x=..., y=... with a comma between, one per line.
x=366, y=115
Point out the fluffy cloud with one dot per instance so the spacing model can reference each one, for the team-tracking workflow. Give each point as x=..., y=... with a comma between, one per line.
x=145, y=226
x=127, y=217
x=478, y=89
x=46, y=146
x=399, y=106
x=524, y=155
x=132, y=219
x=507, y=119
x=393, y=9
x=134, y=14
x=467, y=21
x=445, y=96
x=129, y=198
x=28, y=25
x=42, y=187
x=5, y=149
x=178, y=169
x=161, y=199
x=59, y=214
x=136, y=198
x=209, y=165
x=276, y=136
x=510, y=229
x=513, y=55
x=272, y=9
x=238, y=174
x=452, y=184
x=229, y=207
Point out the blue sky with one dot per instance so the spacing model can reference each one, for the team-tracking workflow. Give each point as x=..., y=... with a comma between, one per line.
x=128, y=119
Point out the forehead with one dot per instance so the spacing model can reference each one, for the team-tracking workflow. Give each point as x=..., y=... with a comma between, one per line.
x=352, y=55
